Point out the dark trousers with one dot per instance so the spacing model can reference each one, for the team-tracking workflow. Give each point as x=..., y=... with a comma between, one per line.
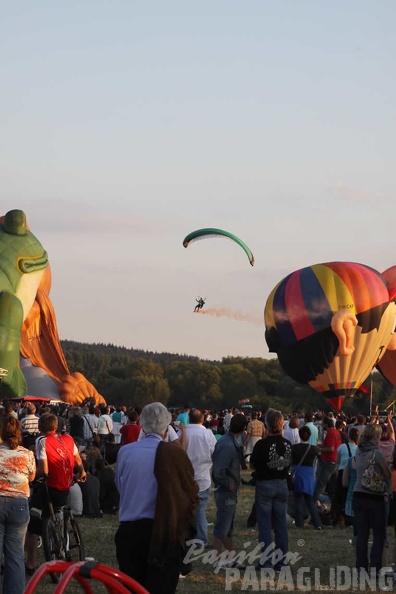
x=132, y=541
x=299, y=500
x=369, y=513
x=338, y=503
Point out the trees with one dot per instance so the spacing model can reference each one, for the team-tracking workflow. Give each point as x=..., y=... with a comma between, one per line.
x=136, y=377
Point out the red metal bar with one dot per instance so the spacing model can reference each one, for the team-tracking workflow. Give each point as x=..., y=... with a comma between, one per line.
x=115, y=581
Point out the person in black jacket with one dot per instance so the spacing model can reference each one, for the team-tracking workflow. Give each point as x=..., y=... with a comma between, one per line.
x=91, y=494
x=271, y=459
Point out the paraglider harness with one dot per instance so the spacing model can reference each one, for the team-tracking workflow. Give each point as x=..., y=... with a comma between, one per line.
x=200, y=304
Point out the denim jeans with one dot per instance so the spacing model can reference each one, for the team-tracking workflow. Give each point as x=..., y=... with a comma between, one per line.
x=369, y=513
x=14, y=519
x=226, y=502
x=200, y=516
x=271, y=507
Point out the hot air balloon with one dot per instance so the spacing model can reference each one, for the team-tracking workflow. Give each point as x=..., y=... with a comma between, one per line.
x=387, y=364
x=330, y=324
x=210, y=233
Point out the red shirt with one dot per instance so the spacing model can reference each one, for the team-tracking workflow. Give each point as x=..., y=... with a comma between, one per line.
x=130, y=433
x=333, y=438
x=59, y=450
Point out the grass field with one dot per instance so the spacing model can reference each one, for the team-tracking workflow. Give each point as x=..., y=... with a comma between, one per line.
x=316, y=550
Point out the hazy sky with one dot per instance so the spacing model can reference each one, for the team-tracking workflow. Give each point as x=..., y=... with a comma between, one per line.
x=125, y=125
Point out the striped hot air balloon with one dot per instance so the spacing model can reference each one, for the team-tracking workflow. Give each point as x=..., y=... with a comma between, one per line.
x=330, y=324
x=387, y=364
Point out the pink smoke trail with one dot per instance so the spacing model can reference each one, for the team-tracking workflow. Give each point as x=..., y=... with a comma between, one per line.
x=224, y=312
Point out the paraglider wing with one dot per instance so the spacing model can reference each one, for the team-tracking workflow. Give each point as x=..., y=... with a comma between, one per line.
x=210, y=233
x=330, y=324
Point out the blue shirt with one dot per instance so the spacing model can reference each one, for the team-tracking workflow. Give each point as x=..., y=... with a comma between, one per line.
x=313, y=439
x=135, y=479
x=184, y=418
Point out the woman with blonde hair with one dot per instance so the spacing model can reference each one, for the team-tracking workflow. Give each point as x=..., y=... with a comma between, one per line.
x=17, y=470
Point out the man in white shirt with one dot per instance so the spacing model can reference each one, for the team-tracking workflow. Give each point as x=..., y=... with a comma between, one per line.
x=105, y=423
x=200, y=445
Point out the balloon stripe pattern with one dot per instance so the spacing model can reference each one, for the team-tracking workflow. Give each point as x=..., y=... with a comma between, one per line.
x=306, y=300
x=329, y=325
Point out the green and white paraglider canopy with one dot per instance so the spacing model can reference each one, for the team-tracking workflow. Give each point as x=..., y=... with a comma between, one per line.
x=212, y=232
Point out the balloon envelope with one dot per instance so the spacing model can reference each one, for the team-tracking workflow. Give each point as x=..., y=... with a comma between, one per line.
x=387, y=364
x=319, y=312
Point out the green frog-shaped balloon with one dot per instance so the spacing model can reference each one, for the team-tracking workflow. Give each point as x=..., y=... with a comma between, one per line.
x=22, y=263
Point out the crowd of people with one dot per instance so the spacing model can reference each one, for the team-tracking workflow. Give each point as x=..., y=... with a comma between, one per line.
x=156, y=468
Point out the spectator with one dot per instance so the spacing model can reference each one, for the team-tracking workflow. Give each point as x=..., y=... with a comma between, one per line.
x=90, y=490
x=271, y=459
x=18, y=469
x=91, y=422
x=360, y=424
x=344, y=453
x=105, y=423
x=30, y=421
x=119, y=420
x=29, y=425
x=303, y=458
x=183, y=416
x=110, y=449
x=368, y=506
x=200, y=445
x=291, y=431
x=328, y=449
x=61, y=421
x=57, y=456
x=308, y=419
x=108, y=496
x=214, y=423
x=9, y=409
x=157, y=501
x=226, y=473
x=93, y=453
x=171, y=436
x=75, y=499
x=77, y=426
x=254, y=432
x=227, y=419
x=130, y=431
x=319, y=425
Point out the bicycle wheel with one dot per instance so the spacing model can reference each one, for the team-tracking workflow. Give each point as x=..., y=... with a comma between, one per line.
x=52, y=545
x=74, y=541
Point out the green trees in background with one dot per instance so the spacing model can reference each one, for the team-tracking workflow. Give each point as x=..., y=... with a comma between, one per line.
x=136, y=377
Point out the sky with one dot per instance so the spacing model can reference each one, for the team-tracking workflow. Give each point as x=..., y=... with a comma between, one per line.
x=126, y=125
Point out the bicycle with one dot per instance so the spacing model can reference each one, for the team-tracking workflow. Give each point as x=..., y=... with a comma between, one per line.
x=61, y=535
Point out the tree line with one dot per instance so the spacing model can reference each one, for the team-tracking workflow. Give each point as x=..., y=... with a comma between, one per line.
x=137, y=377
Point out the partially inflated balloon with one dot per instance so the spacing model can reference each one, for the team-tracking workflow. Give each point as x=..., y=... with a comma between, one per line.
x=330, y=324
x=387, y=364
